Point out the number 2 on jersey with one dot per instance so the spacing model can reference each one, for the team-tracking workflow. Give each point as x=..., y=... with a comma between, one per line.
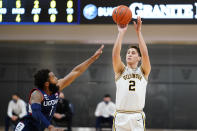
x=131, y=85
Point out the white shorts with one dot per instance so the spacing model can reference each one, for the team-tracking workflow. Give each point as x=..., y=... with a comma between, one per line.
x=129, y=122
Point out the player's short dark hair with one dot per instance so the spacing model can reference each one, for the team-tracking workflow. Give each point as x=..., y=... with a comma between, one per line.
x=137, y=48
x=16, y=94
x=41, y=77
x=107, y=95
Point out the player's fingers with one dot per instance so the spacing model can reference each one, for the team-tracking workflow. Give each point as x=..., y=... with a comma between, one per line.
x=139, y=18
x=126, y=25
x=102, y=46
x=135, y=25
x=118, y=25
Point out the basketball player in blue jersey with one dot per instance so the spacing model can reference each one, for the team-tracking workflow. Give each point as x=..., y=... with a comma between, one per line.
x=131, y=82
x=44, y=98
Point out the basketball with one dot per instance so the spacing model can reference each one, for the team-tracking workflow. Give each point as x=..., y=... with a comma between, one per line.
x=122, y=15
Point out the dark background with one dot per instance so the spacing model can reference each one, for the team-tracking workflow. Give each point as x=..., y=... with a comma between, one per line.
x=27, y=18
x=171, y=92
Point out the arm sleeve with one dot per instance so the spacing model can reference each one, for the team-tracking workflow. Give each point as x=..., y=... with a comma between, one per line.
x=97, y=112
x=37, y=114
x=23, y=108
x=10, y=109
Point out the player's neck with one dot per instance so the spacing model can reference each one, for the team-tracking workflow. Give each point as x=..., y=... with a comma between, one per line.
x=47, y=91
x=132, y=66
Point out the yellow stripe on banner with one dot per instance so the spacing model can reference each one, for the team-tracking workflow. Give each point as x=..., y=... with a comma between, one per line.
x=114, y=121
x=143, y=121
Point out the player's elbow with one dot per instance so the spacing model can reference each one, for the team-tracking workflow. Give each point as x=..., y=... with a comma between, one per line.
x=76, y=73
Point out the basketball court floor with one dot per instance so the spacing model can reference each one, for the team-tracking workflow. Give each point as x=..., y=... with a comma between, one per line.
x=105, y=129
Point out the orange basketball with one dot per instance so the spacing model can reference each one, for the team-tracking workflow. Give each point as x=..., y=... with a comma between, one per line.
x=122, y=15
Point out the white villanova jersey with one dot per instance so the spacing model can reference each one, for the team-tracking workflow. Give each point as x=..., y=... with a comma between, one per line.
x=131, y=90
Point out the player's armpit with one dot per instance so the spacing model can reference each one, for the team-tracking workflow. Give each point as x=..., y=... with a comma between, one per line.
x=118, y=75
x=67, y=80
x=36, y=97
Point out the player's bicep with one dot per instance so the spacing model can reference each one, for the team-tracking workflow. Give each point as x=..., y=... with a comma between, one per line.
x=118, y=65
x=146, y=66
x=36, y=97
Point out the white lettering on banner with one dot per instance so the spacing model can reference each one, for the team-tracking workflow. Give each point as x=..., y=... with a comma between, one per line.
x=3, y=10
x=18, y=10
x=70, y=11
x=157, y=11
x=170, y=11
x=196, y=10
x=52, y=11
x=105, y=11
x=36, y=11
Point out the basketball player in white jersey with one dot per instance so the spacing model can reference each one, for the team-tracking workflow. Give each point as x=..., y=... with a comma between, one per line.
x=131, y=82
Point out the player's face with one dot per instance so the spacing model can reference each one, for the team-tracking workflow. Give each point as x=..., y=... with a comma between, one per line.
x=14, y=98
x=107, y=99
x=52, y=78
x=53, y=83
x=132, y=56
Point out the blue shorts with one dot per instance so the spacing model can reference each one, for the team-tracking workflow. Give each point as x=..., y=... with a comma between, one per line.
x=29, y=124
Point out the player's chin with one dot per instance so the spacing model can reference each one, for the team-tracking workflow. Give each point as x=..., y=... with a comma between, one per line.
x=129, y=61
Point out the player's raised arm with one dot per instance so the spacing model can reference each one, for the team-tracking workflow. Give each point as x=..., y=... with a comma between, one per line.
x=78, y=70
x=146, y=66
x=118, y=65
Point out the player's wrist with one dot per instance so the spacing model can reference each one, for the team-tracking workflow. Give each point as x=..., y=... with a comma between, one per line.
x=138, y=31
x=50, y=127
x=94, y=57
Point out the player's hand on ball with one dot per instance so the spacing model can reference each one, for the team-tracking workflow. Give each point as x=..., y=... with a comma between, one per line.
x=122, y=28
x=138, y=25
x=98, y=52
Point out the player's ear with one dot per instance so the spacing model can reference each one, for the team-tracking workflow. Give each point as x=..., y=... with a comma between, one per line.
x=139, y=58
x=46, y=84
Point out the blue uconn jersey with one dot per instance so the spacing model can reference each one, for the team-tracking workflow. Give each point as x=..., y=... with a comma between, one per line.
x=48, y=107
x=48, y=104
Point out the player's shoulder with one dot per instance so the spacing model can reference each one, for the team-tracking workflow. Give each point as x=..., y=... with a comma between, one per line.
x=118, y=76
x=36, y=94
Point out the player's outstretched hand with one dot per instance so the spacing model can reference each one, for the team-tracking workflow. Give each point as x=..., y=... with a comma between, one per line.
x=138, y=25
x=122, y=28
x=98, y=52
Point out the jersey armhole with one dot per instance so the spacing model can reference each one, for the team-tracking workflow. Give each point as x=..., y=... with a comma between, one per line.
x=143, y=73
x=121, y=74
